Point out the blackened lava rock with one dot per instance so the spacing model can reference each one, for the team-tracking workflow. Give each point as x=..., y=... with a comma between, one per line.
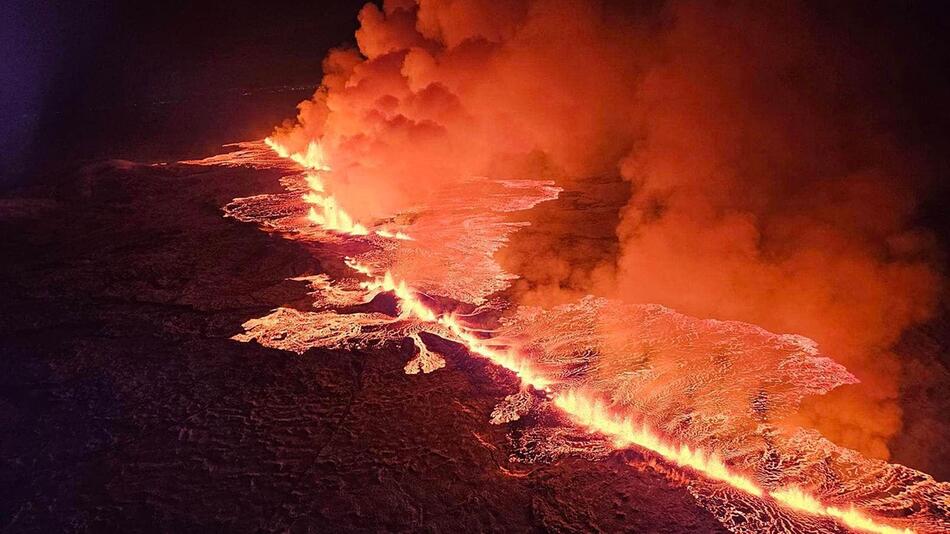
x=124, y=405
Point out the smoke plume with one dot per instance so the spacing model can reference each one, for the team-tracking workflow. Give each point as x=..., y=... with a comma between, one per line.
x=767, y=190
x=763, y=180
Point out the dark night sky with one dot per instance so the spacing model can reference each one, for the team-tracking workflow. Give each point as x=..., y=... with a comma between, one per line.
x=95, y=79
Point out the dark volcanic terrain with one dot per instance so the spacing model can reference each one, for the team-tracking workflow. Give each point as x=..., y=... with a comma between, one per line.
x=124, y=405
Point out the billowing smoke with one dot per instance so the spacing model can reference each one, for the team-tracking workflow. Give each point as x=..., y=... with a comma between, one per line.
x=764, y=182
x=767, y=190
x=444, y=91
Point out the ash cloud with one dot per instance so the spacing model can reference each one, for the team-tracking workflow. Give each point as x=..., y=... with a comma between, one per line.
x=766, y=181
x=768, y=189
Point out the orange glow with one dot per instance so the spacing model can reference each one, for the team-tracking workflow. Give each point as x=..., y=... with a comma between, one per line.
x=331, y=216
x=410, y=306
x=313, y=158
x=596, y=417
x=584, y=410
x=325, y=211
x=801, y=501
x=764, y=214
x=393, y=235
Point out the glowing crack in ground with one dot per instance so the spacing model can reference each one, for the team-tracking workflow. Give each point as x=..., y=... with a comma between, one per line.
x=708, y=397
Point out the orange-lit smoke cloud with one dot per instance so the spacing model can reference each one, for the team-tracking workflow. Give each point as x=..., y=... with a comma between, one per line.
x=763, y=186
x=443, y=91
x=766, y=190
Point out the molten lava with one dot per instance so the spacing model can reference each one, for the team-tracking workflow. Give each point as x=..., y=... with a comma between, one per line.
x=412, y=307
x=312, y=158
x=595, y=415
x=584, y=409
x=560, y=341
x=324, y=210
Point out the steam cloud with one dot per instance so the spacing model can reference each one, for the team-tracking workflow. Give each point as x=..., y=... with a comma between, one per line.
x=765, y=185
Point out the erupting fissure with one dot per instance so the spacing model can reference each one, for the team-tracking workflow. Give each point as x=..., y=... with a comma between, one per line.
x=325, y=211
x=595, y=415
x=582, y=408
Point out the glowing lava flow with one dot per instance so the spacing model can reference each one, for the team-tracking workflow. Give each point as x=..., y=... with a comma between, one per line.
x=313, y=158
x=799, y=500
x=594, y=415
x=324, y=210
x=411, y=306
x=330, y=215
x=393, y=235
x=582, y=409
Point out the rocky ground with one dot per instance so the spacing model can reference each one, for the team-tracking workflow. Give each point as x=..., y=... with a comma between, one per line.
x=124, y=405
